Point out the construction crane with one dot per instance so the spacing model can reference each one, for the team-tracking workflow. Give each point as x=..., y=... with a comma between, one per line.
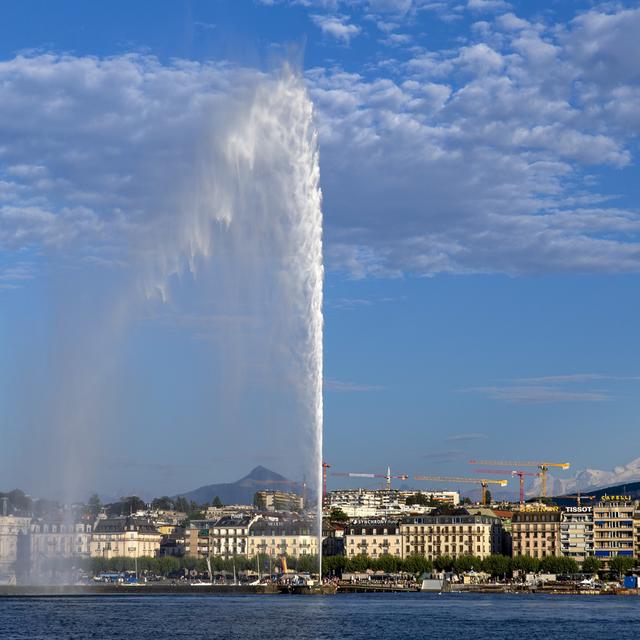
x=543, y=466
x=387, y=476
x=521, y=475
x=579, y=498
x=483, y=482
x=325, y=466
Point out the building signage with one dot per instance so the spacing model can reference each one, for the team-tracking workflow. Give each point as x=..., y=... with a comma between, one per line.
x=606, y=498
x=578, y=509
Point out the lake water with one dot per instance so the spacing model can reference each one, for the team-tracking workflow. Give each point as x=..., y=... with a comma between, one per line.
x=357, y=616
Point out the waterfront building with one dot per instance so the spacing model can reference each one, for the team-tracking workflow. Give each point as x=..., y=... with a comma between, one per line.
x=576, y=532
x=50, y=540
x=333, y=538
x=14, y=531
x=373, y=537
x=127, y=536
x=197, y=541
x=278, y=501
x=229, y=536
x=450, y=532
x=505, y=516
x=224, y=537
x=636, y=532
x=370, y=503
x=613, y=527
x=535, y=533
x=275, y=537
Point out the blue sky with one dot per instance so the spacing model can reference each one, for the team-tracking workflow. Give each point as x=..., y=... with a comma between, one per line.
x=479, y=166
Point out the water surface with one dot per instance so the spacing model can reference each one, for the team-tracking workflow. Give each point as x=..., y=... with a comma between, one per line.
x=354, y=616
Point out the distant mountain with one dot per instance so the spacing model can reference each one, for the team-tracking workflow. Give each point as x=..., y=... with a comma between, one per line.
x=588, y=480
x=625, y=489
x=243, y=490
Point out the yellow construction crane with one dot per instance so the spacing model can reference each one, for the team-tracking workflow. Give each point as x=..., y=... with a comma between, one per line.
x=483, y=482
x=579, y=498
x=543, y=466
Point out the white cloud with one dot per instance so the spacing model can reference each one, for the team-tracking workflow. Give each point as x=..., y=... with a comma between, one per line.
x=487, y=5
x=511, y=22
x=479, y=160
x=540, y=395
x=337, y=27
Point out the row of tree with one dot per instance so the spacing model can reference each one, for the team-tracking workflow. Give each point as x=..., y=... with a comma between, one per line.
x=498, y=566
x=172, y=566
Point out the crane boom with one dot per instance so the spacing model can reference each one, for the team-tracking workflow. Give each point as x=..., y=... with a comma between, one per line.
x=528, y=463
x=483, y=482
x=387, y=476
x=502, y=483
x=543, y=466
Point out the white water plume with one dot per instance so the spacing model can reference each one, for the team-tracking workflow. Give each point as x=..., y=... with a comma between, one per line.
x=254, y=202
x=178, y=198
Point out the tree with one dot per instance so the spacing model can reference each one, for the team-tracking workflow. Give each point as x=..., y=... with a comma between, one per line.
x=181, y=504
x=558, y=564
x=94, y=505
x=168, y=565
x=443, y=563
x=487, y=497
x=621, y=565
x=338, y=515
x=418, y=498
x=307, y=564
x=497, y=565
x=526, y=564
x=417, y=564
x=127, y=506
x=464, y=564
x=465, y=500
x=358, y=563
x=164, y=503
x=591, y=565
x=387, y=563
x=333, y=565
x=217, y=502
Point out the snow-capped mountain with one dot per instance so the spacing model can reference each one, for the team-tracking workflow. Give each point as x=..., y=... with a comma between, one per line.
x=561, y=483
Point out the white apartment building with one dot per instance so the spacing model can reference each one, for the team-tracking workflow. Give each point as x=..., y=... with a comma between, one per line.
x=373, y=537
x=274, y=537
x=613, y=527
x=456, y=534
x=124, y=537
x=576, y=532
x=14, y=531
x=369, y=503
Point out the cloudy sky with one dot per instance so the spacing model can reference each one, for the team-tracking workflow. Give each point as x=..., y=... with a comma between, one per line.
x=479, y=169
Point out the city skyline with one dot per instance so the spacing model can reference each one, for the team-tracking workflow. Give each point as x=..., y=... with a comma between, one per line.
x=479, y=168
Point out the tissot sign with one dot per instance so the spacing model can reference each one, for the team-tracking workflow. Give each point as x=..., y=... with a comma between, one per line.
x=578, y=509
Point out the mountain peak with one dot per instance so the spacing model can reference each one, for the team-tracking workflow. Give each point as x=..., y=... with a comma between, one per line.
x=263, y=474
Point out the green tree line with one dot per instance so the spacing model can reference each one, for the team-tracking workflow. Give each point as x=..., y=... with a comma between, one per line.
x=496, y=565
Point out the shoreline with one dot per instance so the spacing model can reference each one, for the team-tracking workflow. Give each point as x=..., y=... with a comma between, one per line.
x=117, y=590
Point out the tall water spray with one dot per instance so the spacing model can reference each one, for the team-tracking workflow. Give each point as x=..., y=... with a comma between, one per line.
x=257, y=187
